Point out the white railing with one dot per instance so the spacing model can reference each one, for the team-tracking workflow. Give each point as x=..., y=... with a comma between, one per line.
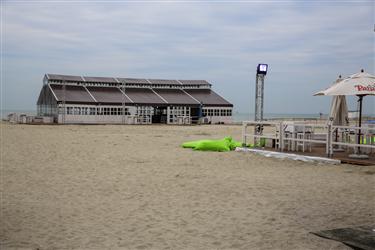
x=183, y=120
x=305, y=128
x=366, y=137
x=245, y=135
x=281, y=136
x=143, y=119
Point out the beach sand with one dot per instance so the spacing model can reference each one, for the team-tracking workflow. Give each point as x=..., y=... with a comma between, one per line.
x=134, y=187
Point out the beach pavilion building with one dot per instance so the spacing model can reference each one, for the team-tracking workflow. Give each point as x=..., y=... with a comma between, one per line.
x=109, y=100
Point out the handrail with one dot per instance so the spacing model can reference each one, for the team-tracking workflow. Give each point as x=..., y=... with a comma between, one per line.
x=364, y=132
x=355, y=128
x=245, y=124
x=260, y=122
x=328, y=128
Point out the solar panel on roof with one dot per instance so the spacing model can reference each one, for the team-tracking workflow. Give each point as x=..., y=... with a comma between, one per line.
x=64, y=78
x=176, y=96
x=194, y=82
x=100, y=79
x=208, y=97
x=72, y=93
x=143, y=96
x=134, y=80
x=108, y=95
x=163, y=81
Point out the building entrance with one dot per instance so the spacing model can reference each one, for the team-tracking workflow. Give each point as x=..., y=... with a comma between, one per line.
x=160, y=115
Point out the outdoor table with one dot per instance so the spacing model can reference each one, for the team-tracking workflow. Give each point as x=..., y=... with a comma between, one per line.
x=294, y=129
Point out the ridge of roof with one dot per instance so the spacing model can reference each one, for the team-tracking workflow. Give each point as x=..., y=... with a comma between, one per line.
x=62, y=77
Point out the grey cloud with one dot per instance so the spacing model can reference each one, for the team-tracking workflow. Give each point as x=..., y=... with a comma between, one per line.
x=306, y=46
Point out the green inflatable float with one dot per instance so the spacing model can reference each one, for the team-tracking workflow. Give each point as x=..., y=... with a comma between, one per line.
x=222, y=145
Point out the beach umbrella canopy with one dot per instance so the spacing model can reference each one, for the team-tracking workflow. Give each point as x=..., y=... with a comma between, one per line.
x=359, y=84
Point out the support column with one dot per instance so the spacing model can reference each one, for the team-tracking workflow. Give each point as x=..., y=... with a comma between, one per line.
x=259, y=100
x=168, y=114
x=63, y=102
x=359, y=124
x=259, y=97
x=123, y=103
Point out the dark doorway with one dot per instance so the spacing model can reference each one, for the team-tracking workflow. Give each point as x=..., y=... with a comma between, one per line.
x=195, y=113
x=160, y=115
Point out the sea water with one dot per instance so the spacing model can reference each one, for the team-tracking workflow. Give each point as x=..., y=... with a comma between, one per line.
x=4, y=112
x=239, y=117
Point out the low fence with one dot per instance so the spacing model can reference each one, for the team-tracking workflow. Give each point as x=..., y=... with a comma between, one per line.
x=294, y=135
x=29, y=119
x=350, y=136
x=138, y=119
x=274, y=125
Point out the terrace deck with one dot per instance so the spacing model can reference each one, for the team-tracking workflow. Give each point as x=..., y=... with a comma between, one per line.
x=342, y=156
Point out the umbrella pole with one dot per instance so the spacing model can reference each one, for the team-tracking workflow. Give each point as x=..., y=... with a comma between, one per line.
x=359, y=123
x=358, y=154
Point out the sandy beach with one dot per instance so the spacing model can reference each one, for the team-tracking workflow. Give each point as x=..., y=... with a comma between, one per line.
x=134, y=187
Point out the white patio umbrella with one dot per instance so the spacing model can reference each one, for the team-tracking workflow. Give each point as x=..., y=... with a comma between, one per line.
x=339, y=109
x=338, y=114
x=359, y=84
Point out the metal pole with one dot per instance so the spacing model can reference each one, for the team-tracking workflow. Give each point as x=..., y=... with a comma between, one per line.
x=281, y=137
x=259, y=94
x=123, y=103
x=63, y=102
x=244, y=125
x=359, y=123
x=256, y=98
x=329, y=139
x=262, y=99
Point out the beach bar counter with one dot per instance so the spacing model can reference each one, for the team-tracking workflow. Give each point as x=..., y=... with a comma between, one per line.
x=109, y=100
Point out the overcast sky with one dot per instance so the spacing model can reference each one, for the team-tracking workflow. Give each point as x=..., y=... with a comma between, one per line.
x=306, y=44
